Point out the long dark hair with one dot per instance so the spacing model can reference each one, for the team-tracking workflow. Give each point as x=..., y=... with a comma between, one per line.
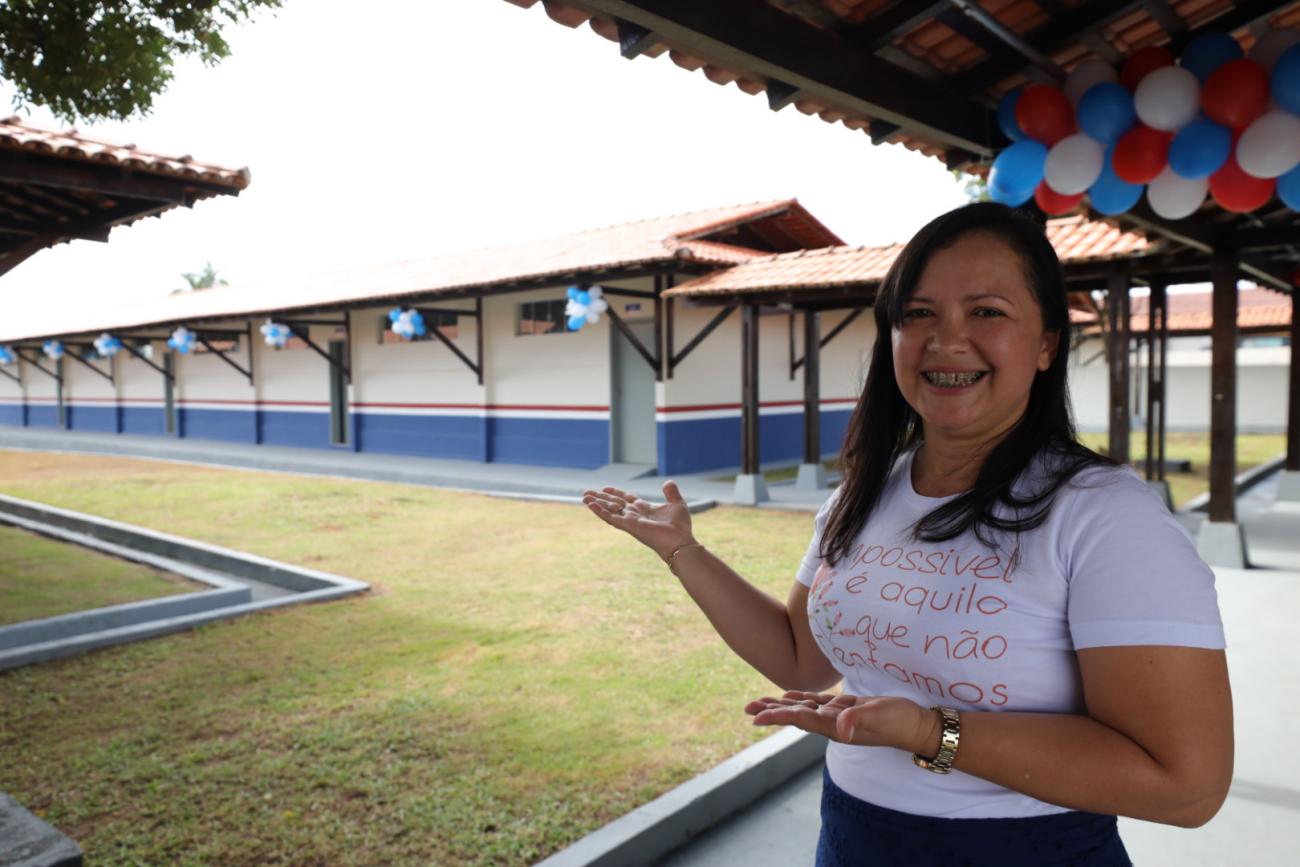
x=883, y=426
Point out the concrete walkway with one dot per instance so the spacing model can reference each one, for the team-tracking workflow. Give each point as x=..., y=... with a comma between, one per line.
x=1259, y=825
x=491, y=478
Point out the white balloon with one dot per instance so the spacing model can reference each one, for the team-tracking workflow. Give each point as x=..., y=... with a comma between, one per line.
x=1168, y=98
x=1270, y=147
x=1074, y=164
x=1272, y=45
x=1173, y=196
x=1085, y=75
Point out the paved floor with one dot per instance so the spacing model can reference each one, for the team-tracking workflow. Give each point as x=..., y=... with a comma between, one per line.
x=1259, y=826
x=551, y=482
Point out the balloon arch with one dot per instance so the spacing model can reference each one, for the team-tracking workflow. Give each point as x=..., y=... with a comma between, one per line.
x=1214, y=121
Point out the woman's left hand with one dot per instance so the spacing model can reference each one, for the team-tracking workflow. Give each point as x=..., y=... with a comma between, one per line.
x=871, y=721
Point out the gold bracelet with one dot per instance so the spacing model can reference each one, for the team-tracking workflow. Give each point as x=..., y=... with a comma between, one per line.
x=942, y=763
x=673, y=556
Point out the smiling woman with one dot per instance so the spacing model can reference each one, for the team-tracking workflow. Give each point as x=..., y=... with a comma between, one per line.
x=1078, y=675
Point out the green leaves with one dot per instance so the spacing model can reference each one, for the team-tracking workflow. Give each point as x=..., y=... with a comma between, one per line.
x=97, y=59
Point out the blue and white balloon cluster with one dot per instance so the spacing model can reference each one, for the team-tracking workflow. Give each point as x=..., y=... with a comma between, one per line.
x=276, y=334
x=7, y=356
x=182, y=340
x=53, y=349
x=1214, y=120
x=406, y=324
x=107, y=345
x=585, y=306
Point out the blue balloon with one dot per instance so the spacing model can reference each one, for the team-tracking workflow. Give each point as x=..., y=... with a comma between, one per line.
x=1288, y=189
x=576, y=322
x=1110, y=194
x=1200, y=149
x=1106, y=111
x=1009, y=198
x=1007, y=115
x=1286, y=80
x=1019, y=169
x=394, y=314
x=573, y=292
x=584, y=298
x=1208, y=52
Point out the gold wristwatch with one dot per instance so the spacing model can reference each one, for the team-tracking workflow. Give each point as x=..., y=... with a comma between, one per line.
x=942, y=763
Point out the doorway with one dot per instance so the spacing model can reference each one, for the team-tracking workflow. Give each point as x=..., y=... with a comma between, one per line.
x=632, y=398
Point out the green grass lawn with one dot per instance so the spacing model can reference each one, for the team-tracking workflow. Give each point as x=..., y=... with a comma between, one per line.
x=1252, y=450
x=519, y=675
x=40, y=577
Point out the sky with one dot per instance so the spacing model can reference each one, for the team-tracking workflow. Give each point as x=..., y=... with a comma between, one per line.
x=396, y=130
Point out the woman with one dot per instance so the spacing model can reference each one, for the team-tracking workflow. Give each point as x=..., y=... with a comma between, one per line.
x=1007, y=609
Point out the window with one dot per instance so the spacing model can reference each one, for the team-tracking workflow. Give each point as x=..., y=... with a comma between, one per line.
x=542, y=317
x=447, y=323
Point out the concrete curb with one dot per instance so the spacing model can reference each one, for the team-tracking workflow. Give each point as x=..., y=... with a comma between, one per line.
x=652, y=830
x=54, y=638
x=1242, y=483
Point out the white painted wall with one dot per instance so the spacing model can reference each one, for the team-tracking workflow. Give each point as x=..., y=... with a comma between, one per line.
x=1262, y=387
x=710, y=375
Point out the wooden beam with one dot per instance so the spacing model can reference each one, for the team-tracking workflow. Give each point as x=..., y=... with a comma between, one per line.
x=633, y=39
x=36, y=364
x=1117, y=362
x=627, y=332
x=812, y=403
x=1223, y=387
x=52, y=228
x=105, y=179
x=168, y=375
x=659, y=327
x=227, y=359
x=749, y=415
x=77, y=358
x=698, y=338
x=1163, y=14
x=304, y=335
x=882, y=29
x=1267, y=237
x=754, y=38
x=478, y=336
x=1058, y=32
x=780, y=94
x=834, y=332
x=985, y=30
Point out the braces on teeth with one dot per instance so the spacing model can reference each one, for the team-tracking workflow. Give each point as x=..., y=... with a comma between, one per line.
x=951, y=379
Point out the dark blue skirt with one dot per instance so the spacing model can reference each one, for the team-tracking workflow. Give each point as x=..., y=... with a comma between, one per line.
x=858, y=834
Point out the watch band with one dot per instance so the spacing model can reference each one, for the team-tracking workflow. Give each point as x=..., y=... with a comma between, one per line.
x=942, y=763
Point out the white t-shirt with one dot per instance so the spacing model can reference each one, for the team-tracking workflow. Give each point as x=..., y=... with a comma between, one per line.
x=959, y=624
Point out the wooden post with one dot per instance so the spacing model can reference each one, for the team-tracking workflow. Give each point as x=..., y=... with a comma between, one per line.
x=659, y=328
x=1223, y=385
x=1157, y=357
x=1117, y=313
x=1164, y=369
x=749, y=390
x=1293, y=399
x=812, y=428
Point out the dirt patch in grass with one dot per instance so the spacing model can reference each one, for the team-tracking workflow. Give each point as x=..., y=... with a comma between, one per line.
x=528, y=675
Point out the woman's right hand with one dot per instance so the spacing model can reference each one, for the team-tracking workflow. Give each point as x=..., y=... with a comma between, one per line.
x=663, y=528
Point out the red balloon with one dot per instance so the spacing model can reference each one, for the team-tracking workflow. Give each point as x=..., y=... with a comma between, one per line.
x=1053, y=203
x=1236, y=93
x=1044, y=114
x=1141, y=154
x=1237, y=191
x=1144, y=62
